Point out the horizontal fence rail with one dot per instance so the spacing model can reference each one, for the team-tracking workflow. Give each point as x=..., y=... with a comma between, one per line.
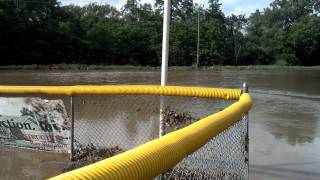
x=227, y=94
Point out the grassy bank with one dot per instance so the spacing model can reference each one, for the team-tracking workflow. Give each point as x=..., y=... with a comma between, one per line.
x=148, y=68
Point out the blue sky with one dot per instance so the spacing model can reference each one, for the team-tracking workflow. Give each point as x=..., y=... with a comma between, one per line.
x=243, y=6
x=228, y=6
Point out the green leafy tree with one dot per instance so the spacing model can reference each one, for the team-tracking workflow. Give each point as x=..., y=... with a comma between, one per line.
x=305, y=38
x=44, y=32
x=235, y=39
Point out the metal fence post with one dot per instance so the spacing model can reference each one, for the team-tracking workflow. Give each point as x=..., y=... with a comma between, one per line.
x=162, y=122
x=72, y=128
x=245, y=89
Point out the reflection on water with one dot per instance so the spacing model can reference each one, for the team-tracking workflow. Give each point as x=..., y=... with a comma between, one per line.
x=284, y=123
x=300, y=127
x=284, y=136
x=292, y=119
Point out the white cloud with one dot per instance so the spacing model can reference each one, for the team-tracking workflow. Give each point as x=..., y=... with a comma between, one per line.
x=229, y=2
x=243, y=7
x=117, y=3
x=148, y=1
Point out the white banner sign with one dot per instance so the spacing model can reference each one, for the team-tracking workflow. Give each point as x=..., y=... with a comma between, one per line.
x=34, y=123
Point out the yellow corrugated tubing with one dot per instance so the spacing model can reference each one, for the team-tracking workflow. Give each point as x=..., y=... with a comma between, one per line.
x=125, y=89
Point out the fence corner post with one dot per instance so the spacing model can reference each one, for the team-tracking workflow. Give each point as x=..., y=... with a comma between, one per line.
x=71, y=151
x=245, y=89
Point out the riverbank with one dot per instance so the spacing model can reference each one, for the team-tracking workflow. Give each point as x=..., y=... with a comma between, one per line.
x=149, y=68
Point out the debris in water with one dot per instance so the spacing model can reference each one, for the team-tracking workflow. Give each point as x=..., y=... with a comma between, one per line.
x=85, y=155
x=184, y=173
x=177, y=120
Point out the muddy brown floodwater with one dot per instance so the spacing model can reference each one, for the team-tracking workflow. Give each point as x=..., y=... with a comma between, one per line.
x=284, y=122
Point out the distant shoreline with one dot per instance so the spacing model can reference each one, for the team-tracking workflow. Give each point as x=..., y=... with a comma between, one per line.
x=83, y=67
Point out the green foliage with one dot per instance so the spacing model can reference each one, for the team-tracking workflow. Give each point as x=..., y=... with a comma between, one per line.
x=286, y=33
x=305, y=40
x=43, y=32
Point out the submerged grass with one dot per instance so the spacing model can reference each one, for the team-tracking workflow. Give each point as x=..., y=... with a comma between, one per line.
x=150, y=68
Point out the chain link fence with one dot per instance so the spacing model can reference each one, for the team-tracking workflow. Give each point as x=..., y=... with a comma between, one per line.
x=223, y=157
x=127, y=121
x=116, y=123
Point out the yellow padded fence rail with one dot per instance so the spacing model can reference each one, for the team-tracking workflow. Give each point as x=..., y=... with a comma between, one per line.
x=155, y=157
x=220, y=93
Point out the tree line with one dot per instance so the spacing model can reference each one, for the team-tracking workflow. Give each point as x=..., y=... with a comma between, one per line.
x=45, y=32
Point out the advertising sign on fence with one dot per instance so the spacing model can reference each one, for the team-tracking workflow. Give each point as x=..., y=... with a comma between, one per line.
x=34, y=123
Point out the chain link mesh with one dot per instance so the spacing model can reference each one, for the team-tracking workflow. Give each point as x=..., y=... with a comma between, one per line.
x=223, y=157
x=127, y=121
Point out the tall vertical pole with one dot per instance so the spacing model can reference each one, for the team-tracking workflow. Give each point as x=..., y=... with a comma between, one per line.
x=165, y=42
x=72, y=128
x=165, y=56
x=198, y=42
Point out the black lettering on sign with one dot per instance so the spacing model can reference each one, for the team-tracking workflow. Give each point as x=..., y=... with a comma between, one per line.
x=27, y=126
x=19, y=125
x=4, y=124
x=45, y=126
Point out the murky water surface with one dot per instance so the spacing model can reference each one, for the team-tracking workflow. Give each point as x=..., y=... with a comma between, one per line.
x=284, y=123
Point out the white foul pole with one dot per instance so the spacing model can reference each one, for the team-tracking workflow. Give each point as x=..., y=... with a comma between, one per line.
x=165, y=42
x=165, y=56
